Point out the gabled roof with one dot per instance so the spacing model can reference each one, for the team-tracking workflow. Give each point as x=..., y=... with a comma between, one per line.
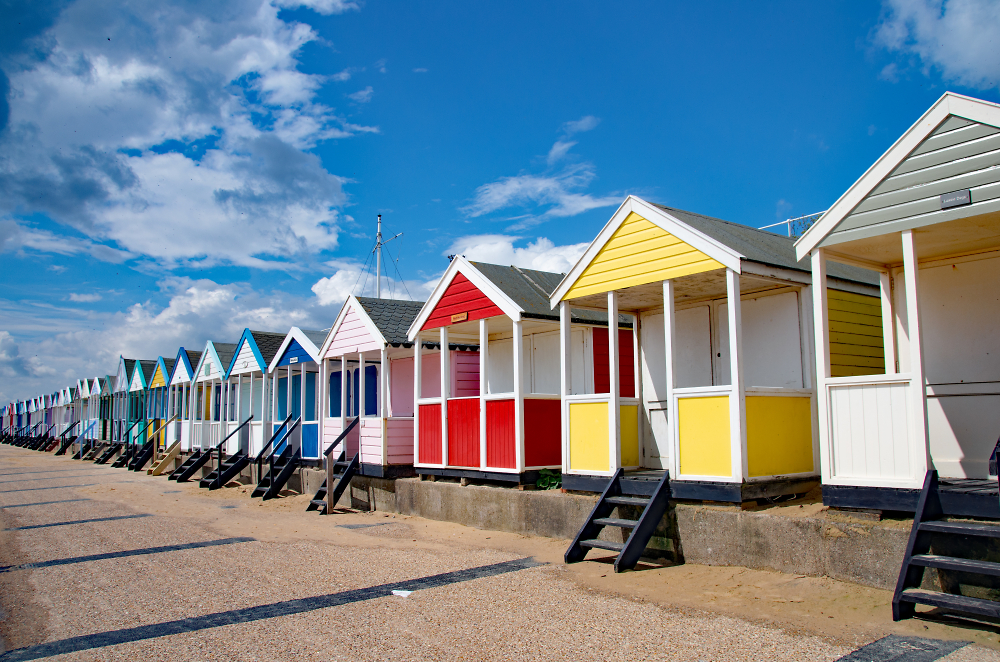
x=952, y=147
x=166, y=366
x=129, y=365
x=144, y=371
x=186, y=360
x=392, y=317
x=263, y=344
x=221, y=352
x=309, y=340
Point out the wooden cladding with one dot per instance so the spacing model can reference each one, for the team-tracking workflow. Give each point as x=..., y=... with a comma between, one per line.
x=463, y=432
x=639, y=252
x=626, y=362
x=856, y=345
x=461, y=298
x=430, y=434
x=501, y=450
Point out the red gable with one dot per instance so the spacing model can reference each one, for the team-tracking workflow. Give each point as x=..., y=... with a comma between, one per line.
x=460, y=297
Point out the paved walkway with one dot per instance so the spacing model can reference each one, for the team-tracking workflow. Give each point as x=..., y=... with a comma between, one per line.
x=105, y=564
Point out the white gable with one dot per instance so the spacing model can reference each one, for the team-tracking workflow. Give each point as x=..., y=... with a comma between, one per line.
x=209, y=368
x=181, y=374
x=246, y=362
x=121, y=383
x=136, y=384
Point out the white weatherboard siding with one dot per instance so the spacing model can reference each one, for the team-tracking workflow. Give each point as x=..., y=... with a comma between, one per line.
x=771, y=342
x=246, y=361
x=871, y=423
x=958, y=155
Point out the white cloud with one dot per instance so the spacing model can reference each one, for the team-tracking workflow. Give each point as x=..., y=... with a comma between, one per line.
x=420, y=70
x=349, y=279
x=84, y=298
x=325, y=7
x=556, y=191
x=362, y=96
x=342, y=76
x=541, y=255
x=961, y=38
x=585, y=123
x=221, y=80
x=559, y=151
x=335, y=289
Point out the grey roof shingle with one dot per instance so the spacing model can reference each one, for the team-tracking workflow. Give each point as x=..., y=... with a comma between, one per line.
x=392, y=317
x=147, y=368
x=317, y=337
x=268, y=344
x=763, y=246
x=193, y=358
x=225, y=350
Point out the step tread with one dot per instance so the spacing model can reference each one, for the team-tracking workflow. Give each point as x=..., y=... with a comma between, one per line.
x=627, y=500
x=957, y=563
x=318, y=502
x=951, y=601
x=603, y=544
x=616, y=521
x=962, y=528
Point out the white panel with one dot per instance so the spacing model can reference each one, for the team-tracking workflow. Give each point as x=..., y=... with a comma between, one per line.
x=246, y=361
x=772, y=351
x=654, y=378
x=693, y=347
x=501, y=366
x=963, y=431
x=870, y=431
x=545, y=363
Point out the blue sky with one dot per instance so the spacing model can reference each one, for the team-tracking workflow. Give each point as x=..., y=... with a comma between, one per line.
x=172, y=172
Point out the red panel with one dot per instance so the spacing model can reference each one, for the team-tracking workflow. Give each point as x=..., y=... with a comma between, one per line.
x=500, y=450
x=463, y=433
x=461, y=296
x=626, y=362
x=430, y=434
x=542, y=433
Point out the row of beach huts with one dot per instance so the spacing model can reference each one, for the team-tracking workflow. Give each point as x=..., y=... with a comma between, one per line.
x=682, y=355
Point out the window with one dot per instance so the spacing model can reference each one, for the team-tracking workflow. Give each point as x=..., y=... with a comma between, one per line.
x=371, y=390
x=282, y=398
x=335, y=390
x=296, y=396
x=310, y=413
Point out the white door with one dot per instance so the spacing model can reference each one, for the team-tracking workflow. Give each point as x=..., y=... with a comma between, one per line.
x=656, y=431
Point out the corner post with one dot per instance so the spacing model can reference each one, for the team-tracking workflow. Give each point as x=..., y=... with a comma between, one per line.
x=668, y=354
x=445, y=392
x=484, y=385
x=888, y=323
x=737, y=397
x=821, y=317
x=518, y=344
x=614, y=390
x=565, y=376
x=921, y=449
x=417, y=361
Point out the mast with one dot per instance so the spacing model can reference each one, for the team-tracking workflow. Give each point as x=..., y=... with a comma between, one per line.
x=378, y=259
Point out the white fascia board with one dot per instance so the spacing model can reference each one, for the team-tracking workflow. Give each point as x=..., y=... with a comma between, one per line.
x=281, y=350
x=968, y=108
x=707, y=245
x=336, y=325
x=367, y=321
x=295, y=333
x=463, y=266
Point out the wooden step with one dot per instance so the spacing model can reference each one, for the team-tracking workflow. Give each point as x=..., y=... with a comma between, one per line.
x=950, y=601
x=957, y=564
x=962, y=529
x=640, y=502
x=603, y=544
x=614, y=521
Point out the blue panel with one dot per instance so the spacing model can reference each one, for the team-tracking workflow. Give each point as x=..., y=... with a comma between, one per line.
x=310, y=408
x=282, y=398
x=371, y=390
x=296, y=396
x=310, y=440
x=295, y=354
x=335, y=389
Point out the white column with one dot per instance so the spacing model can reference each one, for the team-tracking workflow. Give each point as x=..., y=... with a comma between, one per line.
x=417, y=360
x=669, y=326
x=484, y=386
x=614, y=395
x=518, y=353
x=344, y=385
x=361, y=385
x=383, y=401
x=565, y=376
x=821, y=318
x=445, y=392
x=737, y=397
x=888, y=323
x=921, y=450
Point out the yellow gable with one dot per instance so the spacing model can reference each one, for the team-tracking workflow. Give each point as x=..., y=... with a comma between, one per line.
x=158, y=378
x=639, y=252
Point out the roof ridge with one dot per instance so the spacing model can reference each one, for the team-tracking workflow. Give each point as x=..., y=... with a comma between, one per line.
x=721, y=220
x=530, y=280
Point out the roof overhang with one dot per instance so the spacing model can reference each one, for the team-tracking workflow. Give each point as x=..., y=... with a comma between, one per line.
x=247, y=337
x=950, y=104
x=460, y=265
x=659, y=217
x=296, y=334
x=352, y=303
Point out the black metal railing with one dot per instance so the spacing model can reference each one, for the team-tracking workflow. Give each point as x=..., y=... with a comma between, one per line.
x=270, y=443
x=218, y=447
x=274, y=451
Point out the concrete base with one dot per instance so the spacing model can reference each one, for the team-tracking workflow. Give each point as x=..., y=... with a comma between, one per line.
x=845, y=548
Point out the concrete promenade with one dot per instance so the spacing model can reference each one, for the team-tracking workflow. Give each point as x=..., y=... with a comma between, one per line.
x=105, y=564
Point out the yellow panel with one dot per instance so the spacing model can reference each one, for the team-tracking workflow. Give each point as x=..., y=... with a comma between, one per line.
x=630, y=435
x=639, y=252
x=705, y=444
x=158, y=379
x=588, y=436
x=779, y=436
x=856, y=345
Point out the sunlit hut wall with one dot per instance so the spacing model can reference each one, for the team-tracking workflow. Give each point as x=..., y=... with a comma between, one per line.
x=721, y=350
x=206, y=400
x=179, y=398
x=496, y=414
x=367, y=356
x=246, y=392
x=296, y=389
x=926, y=217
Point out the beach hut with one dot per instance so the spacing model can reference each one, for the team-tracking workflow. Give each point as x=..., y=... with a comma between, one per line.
x=142, y=374
x=297, y=388
x=713, y=380
x=926, y=217
x=372, y=333
x=120, y=421
x=491, y=409
x=179, y=398
x=157, y=401
x=106, y=407
x=246, y=390
x=206, y=394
